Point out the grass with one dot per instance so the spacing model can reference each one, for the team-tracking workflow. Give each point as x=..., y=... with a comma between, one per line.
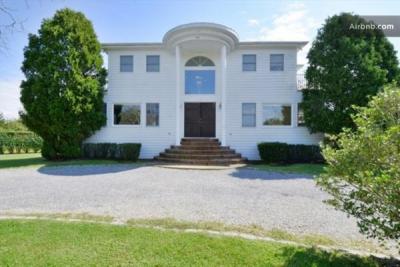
x=36, y=160
x=54, y=243
x=306, y=239
x=311, y=168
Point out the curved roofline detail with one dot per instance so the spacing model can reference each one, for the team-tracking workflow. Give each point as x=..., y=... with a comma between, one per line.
x=201, y=31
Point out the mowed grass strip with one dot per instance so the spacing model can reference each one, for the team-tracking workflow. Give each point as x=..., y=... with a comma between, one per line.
x=54, y=243
x=303, y=168
x=36, y=160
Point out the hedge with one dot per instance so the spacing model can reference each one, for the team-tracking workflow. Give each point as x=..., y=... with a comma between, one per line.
x=276, y=152
x=124, y=151
x=19, y=142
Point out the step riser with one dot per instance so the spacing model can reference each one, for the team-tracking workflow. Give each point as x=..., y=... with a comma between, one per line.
x=201, y=152
x=211, y=157
x=202, y=162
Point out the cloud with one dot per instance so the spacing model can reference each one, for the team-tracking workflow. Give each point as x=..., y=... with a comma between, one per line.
x=253, y=22
x=9, y=98
x=293, y=23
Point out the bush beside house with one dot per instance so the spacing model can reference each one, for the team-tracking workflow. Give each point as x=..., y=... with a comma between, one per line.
x=276, y=152
x=124, y=151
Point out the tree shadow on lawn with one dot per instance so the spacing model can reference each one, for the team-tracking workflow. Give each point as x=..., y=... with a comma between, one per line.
x=254, y=174
x=315, y=257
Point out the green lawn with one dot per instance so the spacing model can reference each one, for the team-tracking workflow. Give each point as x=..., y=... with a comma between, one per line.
x=35, y=159
x=54, y=243
x=313, y=169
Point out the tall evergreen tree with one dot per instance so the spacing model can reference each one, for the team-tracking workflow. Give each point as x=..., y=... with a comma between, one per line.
x=62, y=92
x=346, y=67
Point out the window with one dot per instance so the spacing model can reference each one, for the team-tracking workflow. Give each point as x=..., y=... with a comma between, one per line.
x=199, y=82
x=127, y=114
x=248, y=114
x=152, y=114
x=126, y=63
x=300, y=115
x=249, y=63
x=274, y=114
x=199, y=62
x=276, y=62
x=105, y=109
x=152, y=63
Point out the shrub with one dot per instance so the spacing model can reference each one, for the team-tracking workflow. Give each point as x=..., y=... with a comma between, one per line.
x=363, y=173
x=19, y=141
x=276, y=152
x=125, y=151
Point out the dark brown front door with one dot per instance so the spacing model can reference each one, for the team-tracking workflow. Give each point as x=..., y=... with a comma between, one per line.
x=199, y=119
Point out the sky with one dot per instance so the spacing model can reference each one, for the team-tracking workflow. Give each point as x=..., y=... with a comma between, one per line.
x=148, y=21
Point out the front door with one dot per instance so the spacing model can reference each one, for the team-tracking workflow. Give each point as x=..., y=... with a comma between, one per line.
x=199, y=119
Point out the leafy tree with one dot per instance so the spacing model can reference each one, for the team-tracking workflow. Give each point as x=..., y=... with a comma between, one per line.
x=346, y=66
x=2, y=120
x=63, y=90
x=363, y=174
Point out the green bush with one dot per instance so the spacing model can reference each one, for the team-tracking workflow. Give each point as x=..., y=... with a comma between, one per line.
x=19, y=142
x=125, y=151
x=276, y=152
x=363, y=172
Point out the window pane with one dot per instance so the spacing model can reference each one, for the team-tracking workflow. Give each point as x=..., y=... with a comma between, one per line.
x=276, y=62
x=126, y=63
x=199, y=82
x=248, y=114
x=249, y=63
x=153, y=63
x=127, y=114
x=300, y=115
x=152, y=114
x=277, y=114
x=199, y=62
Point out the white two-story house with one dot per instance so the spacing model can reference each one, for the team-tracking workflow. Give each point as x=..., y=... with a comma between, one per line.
x=201, y=81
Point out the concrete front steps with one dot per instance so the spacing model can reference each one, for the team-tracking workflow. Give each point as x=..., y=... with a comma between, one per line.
x=200, y=151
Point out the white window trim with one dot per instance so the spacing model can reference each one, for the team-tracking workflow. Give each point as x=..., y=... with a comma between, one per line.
x=242, y=61
x=119, y=65
x=241, y=114
x=127, y=125
x=159, y=115
x=284, y=64
x=159, y=64
x=292, y=125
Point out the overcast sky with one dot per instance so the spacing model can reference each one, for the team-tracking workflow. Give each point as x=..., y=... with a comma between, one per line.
x=147, y=21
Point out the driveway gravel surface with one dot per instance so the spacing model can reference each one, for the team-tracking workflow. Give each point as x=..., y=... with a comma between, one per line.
x=289, y=202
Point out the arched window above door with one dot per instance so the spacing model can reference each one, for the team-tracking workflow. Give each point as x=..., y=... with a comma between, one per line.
x=199, y=61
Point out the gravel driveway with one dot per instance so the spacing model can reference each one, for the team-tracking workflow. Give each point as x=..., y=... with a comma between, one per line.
x=235, y=196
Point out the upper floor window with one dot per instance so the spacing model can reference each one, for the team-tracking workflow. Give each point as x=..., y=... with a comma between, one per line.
x=152, y=63
x=199, y=81
x=249, y=63
x=276, y=62
x=126, y=63
x=199, y=61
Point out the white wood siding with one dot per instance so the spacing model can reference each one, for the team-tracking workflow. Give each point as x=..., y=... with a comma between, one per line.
x=262, y=86
x=141, y=87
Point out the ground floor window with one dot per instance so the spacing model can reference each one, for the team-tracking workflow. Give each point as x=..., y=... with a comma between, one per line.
x=152, y=114
x=248, y=114
x=277, y=114
x=127, y=114
x=300, y=115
